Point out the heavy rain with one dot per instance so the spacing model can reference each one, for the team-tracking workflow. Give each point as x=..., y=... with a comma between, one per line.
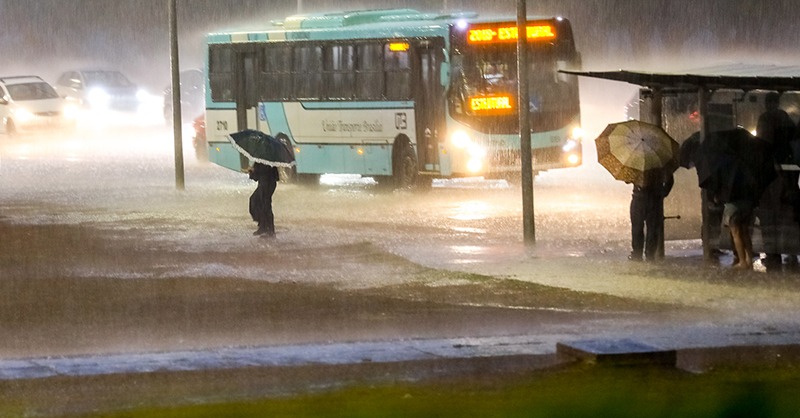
x=102, y=255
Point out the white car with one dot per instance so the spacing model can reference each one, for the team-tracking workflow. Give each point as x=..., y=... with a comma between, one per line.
x=100, y=90
x=29, y=103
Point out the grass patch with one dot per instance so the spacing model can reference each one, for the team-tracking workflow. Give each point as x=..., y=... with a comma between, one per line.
x=579, y=391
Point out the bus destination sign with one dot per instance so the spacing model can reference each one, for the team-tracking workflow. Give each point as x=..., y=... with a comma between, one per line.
x=490, y=104
x=507, y=33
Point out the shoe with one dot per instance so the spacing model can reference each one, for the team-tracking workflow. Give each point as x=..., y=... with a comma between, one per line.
x=634, y=257
x=268, y=235
x=716, y=252
x=260, y=231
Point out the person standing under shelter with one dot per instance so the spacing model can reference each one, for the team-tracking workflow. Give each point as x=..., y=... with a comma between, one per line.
x=777, y=128
x=261, y=199
x=647, y=215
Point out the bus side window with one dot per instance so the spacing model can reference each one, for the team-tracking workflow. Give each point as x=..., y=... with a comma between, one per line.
x=307, y=75
x=398, y=74
x=276, y=74
x=339, y=74
x=220, y=73
x=369, y=71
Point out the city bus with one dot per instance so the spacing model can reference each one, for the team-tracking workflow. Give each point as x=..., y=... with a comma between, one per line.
x=398, y=95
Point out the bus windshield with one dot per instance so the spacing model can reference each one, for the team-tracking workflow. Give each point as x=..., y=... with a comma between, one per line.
x=485, y=87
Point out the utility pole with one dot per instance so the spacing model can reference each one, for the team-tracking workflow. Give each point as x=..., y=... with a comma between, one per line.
x=177, y=133
x=525, y=153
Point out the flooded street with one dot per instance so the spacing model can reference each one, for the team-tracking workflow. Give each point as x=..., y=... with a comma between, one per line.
x=102, y=252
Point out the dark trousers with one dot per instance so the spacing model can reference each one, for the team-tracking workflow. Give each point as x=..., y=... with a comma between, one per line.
x=647, y=222
x=261, y=206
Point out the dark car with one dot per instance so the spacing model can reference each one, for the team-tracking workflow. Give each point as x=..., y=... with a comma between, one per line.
x=100, y=90
x=193, y=95
x=199, y=141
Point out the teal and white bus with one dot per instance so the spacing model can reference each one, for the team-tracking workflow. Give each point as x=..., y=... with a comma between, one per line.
x=398, y=95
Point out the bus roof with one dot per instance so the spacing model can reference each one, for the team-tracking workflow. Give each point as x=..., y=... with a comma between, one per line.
x=372, y=23
x=744, y=76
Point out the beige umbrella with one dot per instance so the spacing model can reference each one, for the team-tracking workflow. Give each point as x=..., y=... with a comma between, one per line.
x=637, y=152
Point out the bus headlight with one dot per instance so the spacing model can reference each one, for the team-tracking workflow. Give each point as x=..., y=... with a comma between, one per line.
x=573, y=159
x=476, y=151
x=460, y=139
x=570, y=145
x=577, y=133
x=474, y=165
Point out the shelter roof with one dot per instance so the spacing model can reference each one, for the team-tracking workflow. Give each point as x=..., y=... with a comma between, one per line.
x=724, y=76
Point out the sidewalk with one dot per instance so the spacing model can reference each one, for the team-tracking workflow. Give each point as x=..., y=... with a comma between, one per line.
x=698, y=348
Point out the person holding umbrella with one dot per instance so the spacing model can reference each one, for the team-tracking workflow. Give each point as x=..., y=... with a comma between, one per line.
x=261, y=199
x=267, y=153
x=647, y=214
x=644, y=155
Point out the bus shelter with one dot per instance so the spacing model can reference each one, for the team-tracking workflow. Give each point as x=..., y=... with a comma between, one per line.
x=722, y=97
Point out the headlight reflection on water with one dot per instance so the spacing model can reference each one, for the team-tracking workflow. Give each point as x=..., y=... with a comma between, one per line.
x=470, y=210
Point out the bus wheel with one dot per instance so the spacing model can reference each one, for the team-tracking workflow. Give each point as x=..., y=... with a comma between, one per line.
x=405, y=167
x=385, y=183
x=424, y=183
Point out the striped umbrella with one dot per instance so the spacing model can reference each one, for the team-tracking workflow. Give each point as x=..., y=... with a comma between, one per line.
x=637, y=152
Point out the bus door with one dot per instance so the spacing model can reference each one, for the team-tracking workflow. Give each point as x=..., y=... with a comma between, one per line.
x=246, y=71
x=429, y=104
x=245, y=93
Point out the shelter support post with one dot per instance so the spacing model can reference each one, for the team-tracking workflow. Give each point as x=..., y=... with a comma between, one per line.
x=705, y=233
x=177, y=134
x=656, y=116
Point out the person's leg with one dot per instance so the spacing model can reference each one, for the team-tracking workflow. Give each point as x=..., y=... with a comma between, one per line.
x=269, y=216
x=654, y=224
x=770, y=208
x=747, y=241
x=637, y=213
x=738, y=244
x=261, y=209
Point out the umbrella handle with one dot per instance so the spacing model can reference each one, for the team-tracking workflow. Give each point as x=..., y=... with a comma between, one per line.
x=672, y=217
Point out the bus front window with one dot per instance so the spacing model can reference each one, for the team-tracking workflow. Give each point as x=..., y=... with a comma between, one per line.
x=484, y=88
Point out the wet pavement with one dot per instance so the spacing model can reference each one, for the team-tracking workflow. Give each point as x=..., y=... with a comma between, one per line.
x=392, y=278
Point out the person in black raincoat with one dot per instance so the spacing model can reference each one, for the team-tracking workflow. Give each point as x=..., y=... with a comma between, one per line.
x=261, y=199
x=736, y=168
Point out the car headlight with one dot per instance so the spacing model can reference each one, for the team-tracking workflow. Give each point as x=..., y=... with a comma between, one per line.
x=70, y=111
x=23, y=115
x=142, y=95
x=98, y=98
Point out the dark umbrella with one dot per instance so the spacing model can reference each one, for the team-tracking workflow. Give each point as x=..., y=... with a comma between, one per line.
x=735, y=165
x=262, y=148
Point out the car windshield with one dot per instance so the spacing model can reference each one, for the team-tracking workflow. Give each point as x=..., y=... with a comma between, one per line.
x=31, y=91
x=106, y=79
